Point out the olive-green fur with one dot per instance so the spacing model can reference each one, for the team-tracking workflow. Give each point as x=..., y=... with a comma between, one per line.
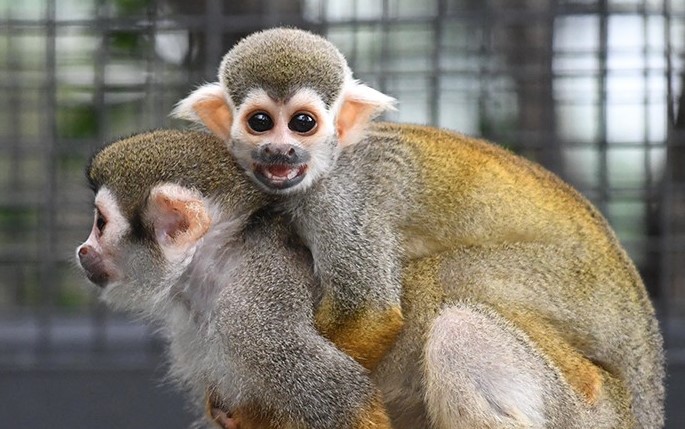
x=501, y=283
x=282, y=61
x=421, y=191
x=188, y=158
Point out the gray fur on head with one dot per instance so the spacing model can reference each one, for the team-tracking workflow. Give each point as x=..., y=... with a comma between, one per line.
x=281, y=61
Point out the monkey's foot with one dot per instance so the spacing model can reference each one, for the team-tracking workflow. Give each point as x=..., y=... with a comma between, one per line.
x=218, y=413
x=221, y=418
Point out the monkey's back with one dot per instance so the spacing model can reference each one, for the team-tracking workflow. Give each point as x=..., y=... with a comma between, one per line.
x=493, y=195
x=555, y=256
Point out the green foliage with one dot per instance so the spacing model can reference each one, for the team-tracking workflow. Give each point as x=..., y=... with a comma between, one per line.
x=77, y=122
x=131, y=7
x=126, y=42
x=499, y=130
x=72, y=294
x=18, y=218
x=73, y=161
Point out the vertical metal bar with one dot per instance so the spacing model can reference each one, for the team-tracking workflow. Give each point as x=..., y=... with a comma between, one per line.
x=323, y=14
x=646, y=145
x=648, y=196
x=667, y=286
x=14, y=111
x=551, y=150
x=154, y=87
x=603, y=191
x=382, y=79
x=98, y=313
x=484, y=77
x=47, y=252
x=355, y=35
x=213, y=36
x=436, y=75
x=321, y=26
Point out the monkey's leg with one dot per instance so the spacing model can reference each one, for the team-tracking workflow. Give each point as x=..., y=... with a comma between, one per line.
x=482, y=370
x=478, y=374
x=366, y=336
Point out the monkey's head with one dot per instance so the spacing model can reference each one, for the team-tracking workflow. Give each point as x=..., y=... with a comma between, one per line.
x=156, y=196
x=285, y=104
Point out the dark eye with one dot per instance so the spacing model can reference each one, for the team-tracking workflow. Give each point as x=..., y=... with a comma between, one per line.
x=100, y=222
x=260, y=122
x=302, y=123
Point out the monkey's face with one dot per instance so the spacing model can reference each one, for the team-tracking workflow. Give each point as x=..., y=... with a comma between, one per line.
x=284, y=145
x=138, y=270
x=99, y=254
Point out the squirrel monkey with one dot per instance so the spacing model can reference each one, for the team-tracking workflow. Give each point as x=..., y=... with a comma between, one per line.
x=286, y=105
x=178, y=236
x=535, y=317
x=366, y=196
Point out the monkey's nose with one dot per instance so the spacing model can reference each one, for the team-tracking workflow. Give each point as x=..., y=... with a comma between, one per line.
x=93, y=265
x=279, y=149
x=84, y=252
x=280, y=153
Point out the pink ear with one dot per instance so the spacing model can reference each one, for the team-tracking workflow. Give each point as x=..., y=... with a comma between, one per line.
x=179, y=216
x=208, y=106
x=359, y=106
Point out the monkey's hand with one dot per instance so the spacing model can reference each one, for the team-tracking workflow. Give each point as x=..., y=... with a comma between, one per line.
x=222, y=419
x=234, y=419
x=365, y=336
x=217, y=413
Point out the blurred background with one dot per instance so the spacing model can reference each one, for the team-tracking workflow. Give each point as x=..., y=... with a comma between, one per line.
x=593, y=89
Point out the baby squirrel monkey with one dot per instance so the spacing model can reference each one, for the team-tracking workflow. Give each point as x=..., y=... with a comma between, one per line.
x=286, y=105
x=498, y=333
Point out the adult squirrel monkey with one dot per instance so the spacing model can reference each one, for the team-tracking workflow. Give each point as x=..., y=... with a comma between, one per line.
x=526, y=313
x=178, y=236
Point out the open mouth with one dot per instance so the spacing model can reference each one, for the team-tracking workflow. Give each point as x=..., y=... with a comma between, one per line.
x=280, y=176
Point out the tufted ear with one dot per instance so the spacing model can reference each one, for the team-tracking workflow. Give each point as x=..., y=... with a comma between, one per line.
x=178, y=215
x=207, y=105
x=359, y=106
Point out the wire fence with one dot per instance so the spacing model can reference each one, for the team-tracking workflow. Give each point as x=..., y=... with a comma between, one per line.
x=591, y=89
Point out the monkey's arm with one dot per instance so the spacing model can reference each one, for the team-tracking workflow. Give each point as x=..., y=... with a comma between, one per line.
x=349, y=224
x=360, y=309
x=356, y=259
x=296, y=378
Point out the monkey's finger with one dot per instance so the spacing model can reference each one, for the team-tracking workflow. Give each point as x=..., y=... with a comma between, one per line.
x=221, y=418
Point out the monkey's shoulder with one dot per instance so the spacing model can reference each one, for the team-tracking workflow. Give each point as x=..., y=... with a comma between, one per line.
x=450, y=155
